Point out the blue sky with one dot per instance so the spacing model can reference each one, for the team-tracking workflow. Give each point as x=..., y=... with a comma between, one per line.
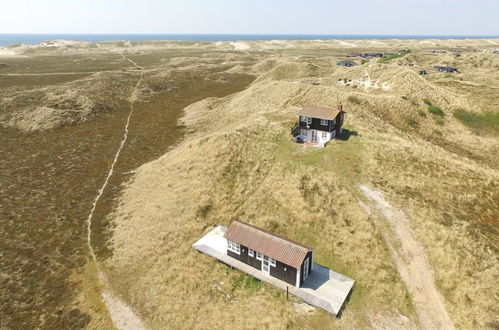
x=402, y=17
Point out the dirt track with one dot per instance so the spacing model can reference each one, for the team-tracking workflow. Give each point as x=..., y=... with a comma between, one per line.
x=412, y=265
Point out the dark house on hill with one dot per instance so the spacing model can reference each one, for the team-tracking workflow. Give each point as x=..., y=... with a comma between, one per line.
x=371, y=55
x=423, y=72
x=346, y=63
x=317, y=125
x=450, y=69
x=274, y=255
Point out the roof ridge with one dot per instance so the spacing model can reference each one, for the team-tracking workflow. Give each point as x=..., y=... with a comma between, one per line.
x=273, y=235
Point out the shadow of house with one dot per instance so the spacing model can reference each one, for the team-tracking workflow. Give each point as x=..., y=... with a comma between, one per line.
x=346, y=134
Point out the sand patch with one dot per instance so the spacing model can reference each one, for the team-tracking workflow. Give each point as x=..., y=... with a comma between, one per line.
x=240, y=46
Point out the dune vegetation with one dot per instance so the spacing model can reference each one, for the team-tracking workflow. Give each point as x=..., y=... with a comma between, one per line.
x=239, y=162
x=428, y=143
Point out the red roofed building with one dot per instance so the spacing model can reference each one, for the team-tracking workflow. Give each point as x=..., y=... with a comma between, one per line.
x=276, y=256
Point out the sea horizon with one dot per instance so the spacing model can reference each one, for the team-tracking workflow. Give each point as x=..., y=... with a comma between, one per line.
x=8, y=39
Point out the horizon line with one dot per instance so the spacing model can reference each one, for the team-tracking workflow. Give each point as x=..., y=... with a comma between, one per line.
x=256, y=34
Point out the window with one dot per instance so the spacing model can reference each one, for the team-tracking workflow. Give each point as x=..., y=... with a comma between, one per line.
x=304, y=119
x=251, y=253
x=309, y=120
x=323, y=122
x=233, y=246
x=324, y=135
x=272, y=262
x=258, y=256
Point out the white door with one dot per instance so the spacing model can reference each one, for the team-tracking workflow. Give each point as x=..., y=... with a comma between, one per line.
x=314, y=136
x=266, y=265
x=305, y=269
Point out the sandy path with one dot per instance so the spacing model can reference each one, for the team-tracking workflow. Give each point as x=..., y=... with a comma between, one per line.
x=412, y=264
x=121, y=314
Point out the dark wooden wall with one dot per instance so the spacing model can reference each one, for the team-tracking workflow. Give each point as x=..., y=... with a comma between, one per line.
x=284, y=272
x=281, y=271
x=316, y=124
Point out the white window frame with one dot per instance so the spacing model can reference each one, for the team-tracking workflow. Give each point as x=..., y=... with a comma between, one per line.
x=324, y=135
x=251, y=252
x=309, y=120
x=233, y=246
x=304, y=119
x=324, y=122
x=272, y=262
x=305, y=268
x=259, y=256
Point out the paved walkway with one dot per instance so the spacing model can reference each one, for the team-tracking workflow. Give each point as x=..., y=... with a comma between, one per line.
x=323, y=288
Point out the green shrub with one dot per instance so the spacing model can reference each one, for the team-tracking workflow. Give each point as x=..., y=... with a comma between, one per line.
x=421, y=113
x=437, y=132
x=404, y=97
x=439, y=121
x=411, y=122
x=354, y=99
x=364, y=61
x=436, y=110
x=427, y=101
x=478, y=122
x=392, y=57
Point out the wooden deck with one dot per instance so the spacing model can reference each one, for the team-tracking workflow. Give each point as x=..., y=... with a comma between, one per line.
x=323, y=288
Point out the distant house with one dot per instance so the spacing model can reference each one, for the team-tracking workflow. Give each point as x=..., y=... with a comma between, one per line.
x=273, y=255
x=436, y=51
x=317, y=126
x=449, y=69
x=346, y=63
x=495, y=51
x=423, y=72
x=371, y=55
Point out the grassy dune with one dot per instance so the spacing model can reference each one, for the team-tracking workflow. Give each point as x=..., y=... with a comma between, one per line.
x=239, y=163
x=428, y=142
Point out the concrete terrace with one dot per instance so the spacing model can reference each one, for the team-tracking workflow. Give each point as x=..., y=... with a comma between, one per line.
x=323, y=288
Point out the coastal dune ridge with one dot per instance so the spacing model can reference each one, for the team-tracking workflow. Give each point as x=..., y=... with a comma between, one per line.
x=209, y=142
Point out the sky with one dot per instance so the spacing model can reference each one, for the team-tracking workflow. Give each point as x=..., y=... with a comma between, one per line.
x=372, y=17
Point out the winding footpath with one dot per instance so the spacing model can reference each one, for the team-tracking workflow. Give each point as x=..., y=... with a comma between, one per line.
x=412, y=265
x=121, y=314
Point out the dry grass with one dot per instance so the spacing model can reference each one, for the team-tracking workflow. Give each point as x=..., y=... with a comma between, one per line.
x=240, y=164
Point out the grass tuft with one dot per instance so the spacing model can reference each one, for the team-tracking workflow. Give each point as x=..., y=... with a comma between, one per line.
x=421, y=113
x=427, y=101
x=437, y=111
x=354, y=99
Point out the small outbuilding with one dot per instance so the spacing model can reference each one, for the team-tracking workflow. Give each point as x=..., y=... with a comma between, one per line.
x=272, y=254
x=346, y=63
x=423, y=72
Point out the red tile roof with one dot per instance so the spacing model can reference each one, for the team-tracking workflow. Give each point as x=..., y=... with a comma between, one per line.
x=279, y=248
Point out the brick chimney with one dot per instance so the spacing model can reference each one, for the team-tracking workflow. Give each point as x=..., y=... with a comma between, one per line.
x=340, y=107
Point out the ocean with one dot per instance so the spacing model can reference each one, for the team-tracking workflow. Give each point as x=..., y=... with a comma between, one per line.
x=34, y=39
